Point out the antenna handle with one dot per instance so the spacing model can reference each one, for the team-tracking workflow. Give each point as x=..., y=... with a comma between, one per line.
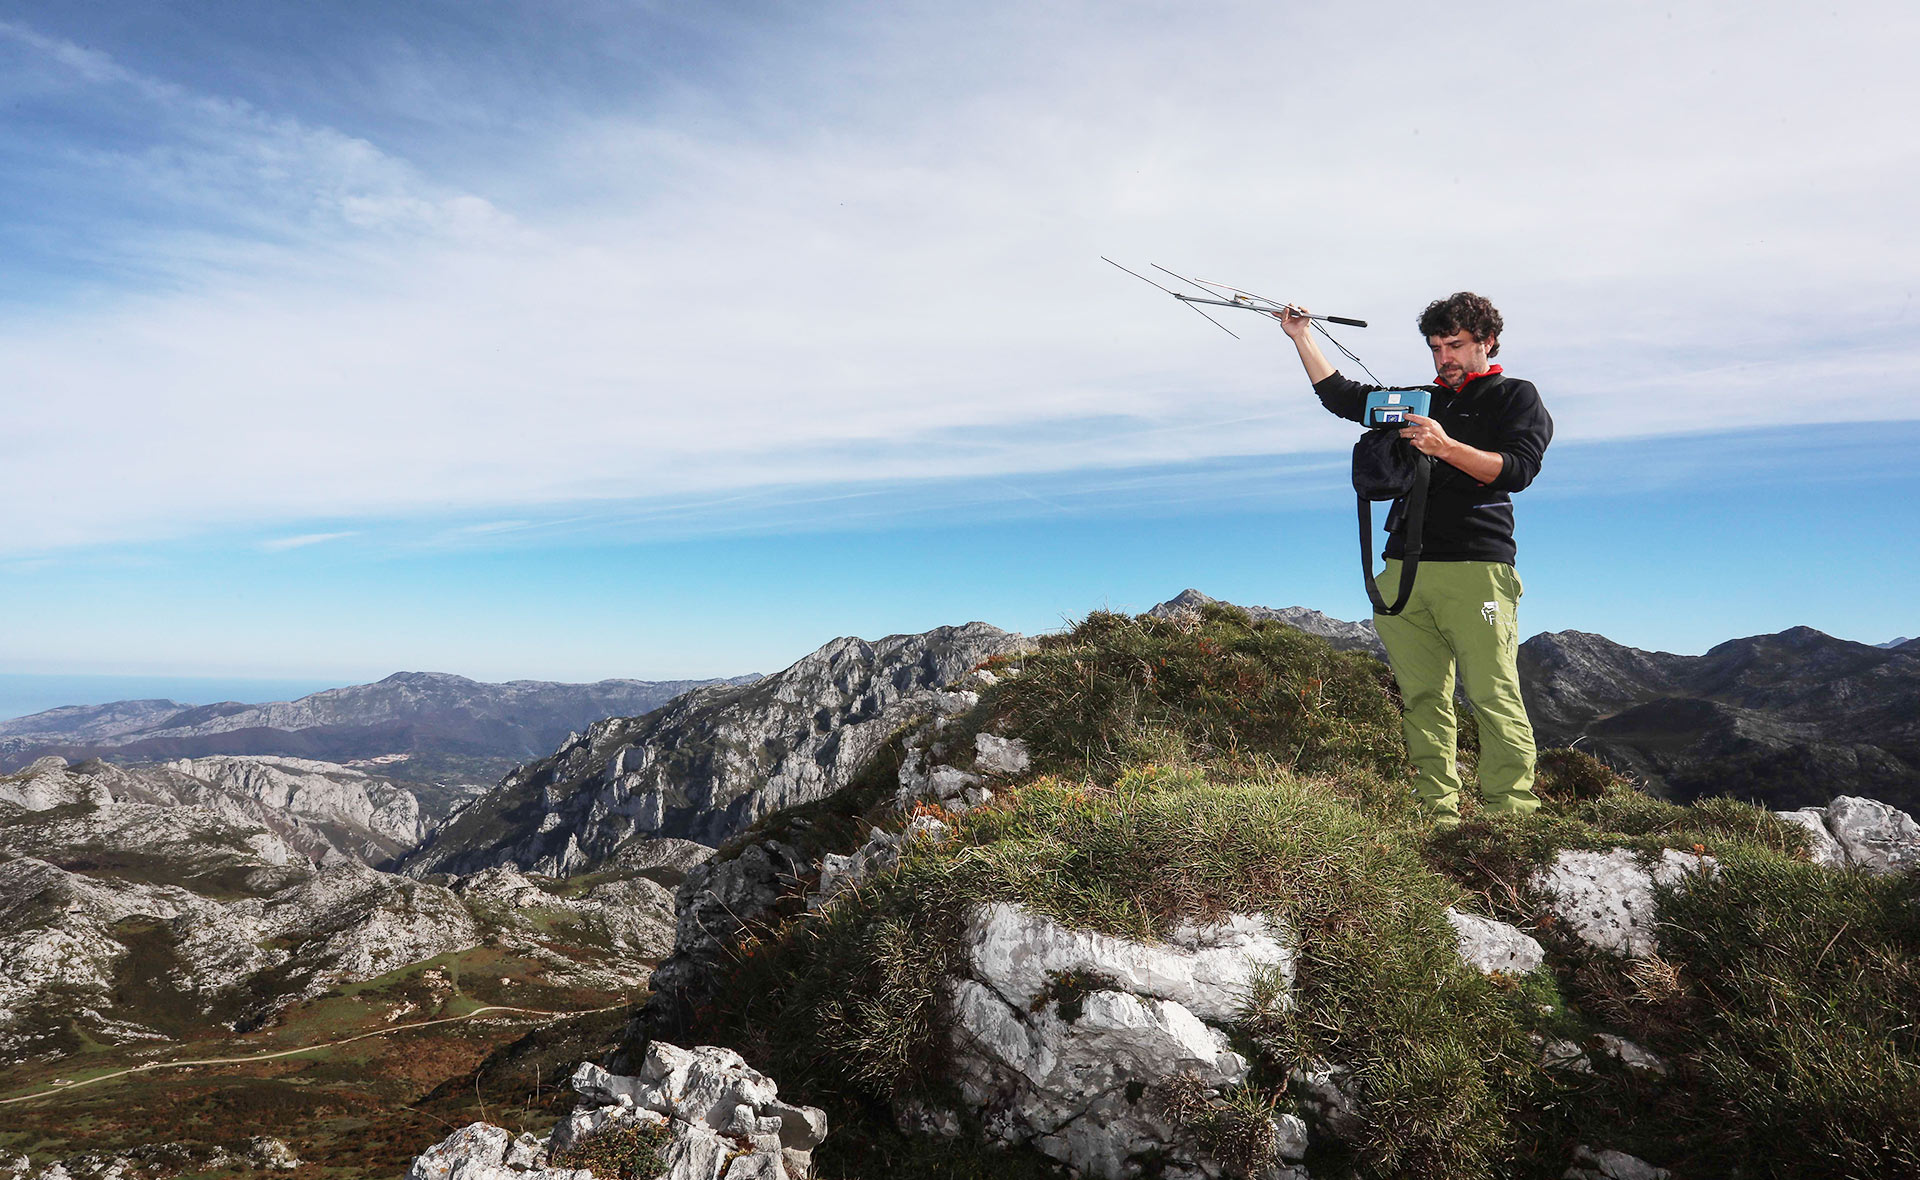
x=1340, y=319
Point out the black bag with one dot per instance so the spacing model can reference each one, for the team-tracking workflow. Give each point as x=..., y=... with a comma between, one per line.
x=1386, y=467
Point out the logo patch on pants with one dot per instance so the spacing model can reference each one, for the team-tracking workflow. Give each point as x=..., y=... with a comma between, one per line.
x=1490, y=611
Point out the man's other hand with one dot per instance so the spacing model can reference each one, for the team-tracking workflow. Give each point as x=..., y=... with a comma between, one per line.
x=1427, y=436
x=1430, y=438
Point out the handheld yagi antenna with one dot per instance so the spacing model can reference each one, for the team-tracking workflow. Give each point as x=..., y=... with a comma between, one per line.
x=1233, y=297
x=1223, y=295
x=1182, y=298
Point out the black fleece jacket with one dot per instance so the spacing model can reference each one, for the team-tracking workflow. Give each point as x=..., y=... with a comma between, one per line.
x=1467, y=520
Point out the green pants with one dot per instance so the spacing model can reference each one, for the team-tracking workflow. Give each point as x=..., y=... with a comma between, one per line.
x=1461, y=612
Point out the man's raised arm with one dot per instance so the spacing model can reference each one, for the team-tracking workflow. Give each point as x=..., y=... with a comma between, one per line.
x=1299, y=327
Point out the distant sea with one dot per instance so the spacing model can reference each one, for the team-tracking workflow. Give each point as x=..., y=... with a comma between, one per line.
x=23, y=693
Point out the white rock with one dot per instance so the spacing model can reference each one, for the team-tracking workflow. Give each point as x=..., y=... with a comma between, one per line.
x=1210, y=970
x=479, y=1151
x=46, y=785
x=1876, y=837
x=881, y=852
x=1328, y=1098
x=1076, y=1090
x=723, y=1121
x=706, y=1085
x=1631, y=1055
x=1488, y=945
x=1589, y=1164
x=1290, y=1137
x=1820, y=842
x=1000, y=756
x=1606, y=898
x=915, y=1117
x=1562, y=1055
x=954, y=702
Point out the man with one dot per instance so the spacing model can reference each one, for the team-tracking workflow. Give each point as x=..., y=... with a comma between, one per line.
x=1487, y=434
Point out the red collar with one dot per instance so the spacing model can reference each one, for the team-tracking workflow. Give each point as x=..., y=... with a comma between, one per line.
x=1471, y=378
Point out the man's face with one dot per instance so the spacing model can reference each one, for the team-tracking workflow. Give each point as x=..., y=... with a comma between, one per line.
x=1459, y=355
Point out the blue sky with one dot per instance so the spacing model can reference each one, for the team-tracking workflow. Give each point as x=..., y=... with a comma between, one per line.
x=662, y=339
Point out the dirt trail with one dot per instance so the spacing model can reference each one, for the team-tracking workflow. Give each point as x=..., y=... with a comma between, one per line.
x=151, y=1066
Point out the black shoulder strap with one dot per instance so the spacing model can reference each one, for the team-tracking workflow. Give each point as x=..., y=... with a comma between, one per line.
x=1415, y=540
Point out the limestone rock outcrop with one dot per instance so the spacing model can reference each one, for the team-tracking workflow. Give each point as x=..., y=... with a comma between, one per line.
x=1860, y=833
x=1072, y=1041
x=707, y=1113
x=722, y=897
x=64, y=936
x=376, y=818
x=1339, y=632
x=631, y=917
x=1589, y=1164
x=127, y=920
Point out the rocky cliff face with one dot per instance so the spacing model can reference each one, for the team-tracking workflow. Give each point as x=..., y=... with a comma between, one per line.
x=369, y=818
x=1790, y=720
x=427, y=726
x=707, y=766
x=326, y=812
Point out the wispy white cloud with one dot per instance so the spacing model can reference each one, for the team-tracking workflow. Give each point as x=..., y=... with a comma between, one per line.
x=282, y=544
x=881, y=263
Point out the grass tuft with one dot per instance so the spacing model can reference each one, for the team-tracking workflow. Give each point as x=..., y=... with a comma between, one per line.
x=628, y=1151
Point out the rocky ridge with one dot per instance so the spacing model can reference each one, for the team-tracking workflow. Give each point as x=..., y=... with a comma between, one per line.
x=748, y=884
x=708, y=765
x=327, y=812
x=1340, y=633
x=1103, y=1053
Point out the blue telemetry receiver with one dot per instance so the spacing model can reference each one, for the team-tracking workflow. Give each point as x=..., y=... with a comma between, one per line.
x=1390, y=407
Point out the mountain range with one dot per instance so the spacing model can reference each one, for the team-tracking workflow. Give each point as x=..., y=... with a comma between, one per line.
x=438, y=731
x=1789, y=719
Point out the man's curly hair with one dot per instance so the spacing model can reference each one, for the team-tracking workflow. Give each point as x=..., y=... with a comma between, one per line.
x=1463, y=311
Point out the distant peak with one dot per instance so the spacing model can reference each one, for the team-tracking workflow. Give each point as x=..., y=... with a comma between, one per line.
x=427, y=678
